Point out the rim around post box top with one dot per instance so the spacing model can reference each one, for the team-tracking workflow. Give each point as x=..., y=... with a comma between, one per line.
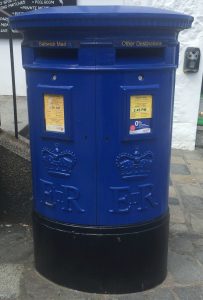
x=101, y=16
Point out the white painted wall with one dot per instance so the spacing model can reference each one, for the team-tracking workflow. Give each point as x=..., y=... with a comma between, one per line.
x=5, y=69
x=187, y=93
x=188, y=86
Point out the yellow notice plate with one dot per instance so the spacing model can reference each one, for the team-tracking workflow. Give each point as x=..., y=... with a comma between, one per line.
x=54, y=113
x=141, y=107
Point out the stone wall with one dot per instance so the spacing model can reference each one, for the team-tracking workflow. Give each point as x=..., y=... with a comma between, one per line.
x=15, y=180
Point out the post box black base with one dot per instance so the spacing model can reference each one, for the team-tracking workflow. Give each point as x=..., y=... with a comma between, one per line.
x=102, y=260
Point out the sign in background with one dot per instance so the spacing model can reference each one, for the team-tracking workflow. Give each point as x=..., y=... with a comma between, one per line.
x=15, y=7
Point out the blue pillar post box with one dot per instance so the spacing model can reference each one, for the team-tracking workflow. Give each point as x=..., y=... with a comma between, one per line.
x=100, y=87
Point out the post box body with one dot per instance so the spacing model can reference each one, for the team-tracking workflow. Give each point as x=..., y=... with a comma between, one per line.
x=100, y=86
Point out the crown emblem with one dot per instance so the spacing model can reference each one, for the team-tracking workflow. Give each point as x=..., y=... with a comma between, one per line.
x=134, y=165
x=59, y=162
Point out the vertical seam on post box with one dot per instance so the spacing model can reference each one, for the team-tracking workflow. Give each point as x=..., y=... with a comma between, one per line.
x=95, y=131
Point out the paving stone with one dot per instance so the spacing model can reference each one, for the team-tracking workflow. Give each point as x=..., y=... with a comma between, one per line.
x=133, y=296
x=184, y=179
x=176, y=152
x=190, y=190
x=195, y=163
x=34, y=286
x=160, y=294
x=173, y=201
x=184, y=268
x=200, y=150
x=197, y=223
x=176, y=214
x=177, y=160
x=199, y=178
x=18, y=243
x=189, y=293
x=181, y=169
x=181, y=244
x=172, y=192
x=199, y=256
x=196, y=168
x=193, y=203
x=198, y=242
x=169, y=281
x=192, y=155
x=10, y=275
x=11, y=298
x=194, y=209
x=197, y=171
x=178, y=228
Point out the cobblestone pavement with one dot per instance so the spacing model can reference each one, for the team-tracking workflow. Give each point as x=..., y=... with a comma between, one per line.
x=19, y=280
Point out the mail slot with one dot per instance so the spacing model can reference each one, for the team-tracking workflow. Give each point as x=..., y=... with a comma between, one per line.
x=100, y=96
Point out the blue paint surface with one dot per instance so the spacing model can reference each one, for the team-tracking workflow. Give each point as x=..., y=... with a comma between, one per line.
x=97, y=172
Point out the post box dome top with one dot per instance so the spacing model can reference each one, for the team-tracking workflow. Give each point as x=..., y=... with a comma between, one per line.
x=100, y=16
